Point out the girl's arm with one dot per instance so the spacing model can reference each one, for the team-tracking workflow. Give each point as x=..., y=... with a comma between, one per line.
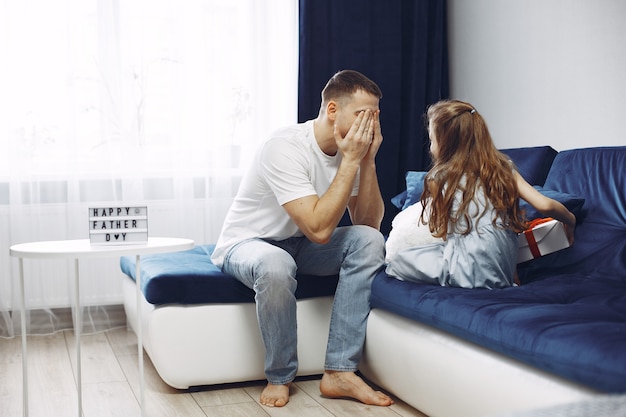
x=547, y=206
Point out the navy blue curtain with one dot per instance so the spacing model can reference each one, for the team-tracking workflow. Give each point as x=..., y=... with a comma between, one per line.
x=400, y=44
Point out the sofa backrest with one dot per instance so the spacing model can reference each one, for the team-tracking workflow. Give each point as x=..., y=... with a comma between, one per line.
x=599, y=176
x=532, y=163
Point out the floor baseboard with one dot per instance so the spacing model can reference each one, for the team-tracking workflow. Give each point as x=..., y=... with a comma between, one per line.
x=95, y=319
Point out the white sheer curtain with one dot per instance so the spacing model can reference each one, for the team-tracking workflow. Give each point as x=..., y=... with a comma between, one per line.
x=107, y=102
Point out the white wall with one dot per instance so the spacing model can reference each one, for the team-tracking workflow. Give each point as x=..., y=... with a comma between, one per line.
x=542, y=71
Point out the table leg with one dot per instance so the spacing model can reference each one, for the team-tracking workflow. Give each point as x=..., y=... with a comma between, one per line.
x=142, y=388
x=77, y=331
x=24, y=357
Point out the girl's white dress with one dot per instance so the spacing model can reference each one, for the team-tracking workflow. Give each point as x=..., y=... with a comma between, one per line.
x=484, y=258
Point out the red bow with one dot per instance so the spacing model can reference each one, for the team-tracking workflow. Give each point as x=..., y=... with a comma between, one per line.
x=530, y=237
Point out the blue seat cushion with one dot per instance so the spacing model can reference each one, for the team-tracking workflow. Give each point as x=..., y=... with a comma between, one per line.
x=569, y=325
x=189, y=277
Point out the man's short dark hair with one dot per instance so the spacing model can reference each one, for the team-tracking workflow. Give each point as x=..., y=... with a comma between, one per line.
x=347, y=82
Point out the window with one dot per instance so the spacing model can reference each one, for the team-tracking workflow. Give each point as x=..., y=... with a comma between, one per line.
x=97, y=86
x=158, y=102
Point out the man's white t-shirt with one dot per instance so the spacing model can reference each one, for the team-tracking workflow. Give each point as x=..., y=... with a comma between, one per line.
x=288, y=166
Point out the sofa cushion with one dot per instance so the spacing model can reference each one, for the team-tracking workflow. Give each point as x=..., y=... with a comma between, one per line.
x=570, y=325
x=189, y=277
x=532, y=163
x=414, y=186
x=573, y=203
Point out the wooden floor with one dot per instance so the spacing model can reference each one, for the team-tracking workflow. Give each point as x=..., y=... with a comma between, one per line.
x=111, y=385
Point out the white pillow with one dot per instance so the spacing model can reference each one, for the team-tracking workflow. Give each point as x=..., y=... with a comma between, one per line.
x=408, y=231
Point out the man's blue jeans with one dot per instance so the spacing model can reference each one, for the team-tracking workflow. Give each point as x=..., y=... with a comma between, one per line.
x=356, y=253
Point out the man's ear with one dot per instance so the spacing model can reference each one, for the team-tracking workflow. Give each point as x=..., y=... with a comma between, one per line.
x=331, y=110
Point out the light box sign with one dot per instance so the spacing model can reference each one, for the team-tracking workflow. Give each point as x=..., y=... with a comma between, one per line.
x=118, y=225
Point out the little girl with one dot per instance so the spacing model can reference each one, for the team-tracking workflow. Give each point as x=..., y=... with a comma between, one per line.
x=471, y=200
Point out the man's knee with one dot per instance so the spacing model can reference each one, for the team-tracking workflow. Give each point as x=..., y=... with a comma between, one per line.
x=370, y=238
x=276, y=274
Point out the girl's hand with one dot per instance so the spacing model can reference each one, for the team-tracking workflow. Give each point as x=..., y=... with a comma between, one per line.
x=547, y=206
x=570, y=225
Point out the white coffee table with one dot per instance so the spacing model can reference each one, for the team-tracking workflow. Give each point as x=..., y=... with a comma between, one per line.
x=76, y=249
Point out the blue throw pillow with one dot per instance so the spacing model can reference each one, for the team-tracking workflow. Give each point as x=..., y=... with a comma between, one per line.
x=413, y=193
x=572, y=203
x=399, y=199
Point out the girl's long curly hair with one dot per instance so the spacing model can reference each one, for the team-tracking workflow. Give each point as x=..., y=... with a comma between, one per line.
x=467, y=160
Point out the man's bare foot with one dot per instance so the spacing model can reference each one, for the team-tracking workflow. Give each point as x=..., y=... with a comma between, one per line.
x=337, y=384
x=275, y=395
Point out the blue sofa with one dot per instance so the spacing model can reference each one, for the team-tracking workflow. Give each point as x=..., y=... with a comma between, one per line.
x=559, y=337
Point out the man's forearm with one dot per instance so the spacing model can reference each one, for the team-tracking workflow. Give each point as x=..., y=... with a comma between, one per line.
x=369, y=208
x=318, y=217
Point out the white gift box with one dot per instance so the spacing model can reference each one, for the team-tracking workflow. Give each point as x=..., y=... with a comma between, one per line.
x=541, y=239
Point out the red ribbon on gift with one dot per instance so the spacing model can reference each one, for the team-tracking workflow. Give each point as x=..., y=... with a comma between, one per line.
x=530, y=237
